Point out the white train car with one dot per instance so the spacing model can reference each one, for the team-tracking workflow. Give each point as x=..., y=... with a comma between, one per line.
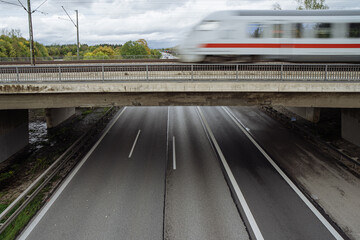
x=305, y=36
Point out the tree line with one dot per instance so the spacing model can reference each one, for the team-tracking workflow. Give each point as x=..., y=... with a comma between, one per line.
x=306, y=5
x=13, y=45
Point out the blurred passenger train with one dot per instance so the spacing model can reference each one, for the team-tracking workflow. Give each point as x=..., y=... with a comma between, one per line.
x=299, y=36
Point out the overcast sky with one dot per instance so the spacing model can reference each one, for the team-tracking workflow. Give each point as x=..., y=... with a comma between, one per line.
x=163, y=23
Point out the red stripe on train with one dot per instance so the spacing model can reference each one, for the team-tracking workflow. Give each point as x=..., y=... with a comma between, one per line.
x=277, y=45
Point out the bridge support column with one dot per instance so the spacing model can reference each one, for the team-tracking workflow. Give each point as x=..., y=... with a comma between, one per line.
x=350, y=125
x=309, y=113
x=14, y=132
x=55, y=116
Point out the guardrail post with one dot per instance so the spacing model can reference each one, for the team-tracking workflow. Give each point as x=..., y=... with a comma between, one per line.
x=17, y=74
x=326, y=68
x=102, y=72
x=282, y=70
x=237, y=72
x=192, y=72
x=147, y=72
x=59, y=73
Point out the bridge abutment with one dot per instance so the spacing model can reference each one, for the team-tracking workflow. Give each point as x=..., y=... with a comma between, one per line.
x=309, y=113
x=350, y=125
x=55, y=116
x=14, y=132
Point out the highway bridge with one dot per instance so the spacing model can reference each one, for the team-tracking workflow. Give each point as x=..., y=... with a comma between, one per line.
x=183, y=172
x=179, y=84
x=60, y=88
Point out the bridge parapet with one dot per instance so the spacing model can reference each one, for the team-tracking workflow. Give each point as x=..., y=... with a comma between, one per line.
x=181, y=72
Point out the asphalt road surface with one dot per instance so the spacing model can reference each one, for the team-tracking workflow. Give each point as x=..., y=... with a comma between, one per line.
x=113, y=196
x=279, y=212
x=198, y=201
x=156, y=175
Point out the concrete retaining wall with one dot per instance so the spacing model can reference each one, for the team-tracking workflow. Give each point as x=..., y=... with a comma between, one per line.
x=309, y=113
x=55, y=116
x=350, y=125
x=14, y=132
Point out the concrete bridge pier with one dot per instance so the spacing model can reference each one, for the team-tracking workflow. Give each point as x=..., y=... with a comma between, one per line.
x=350, y=125
x=14, y=132
x=309, y=113
x=55, y=116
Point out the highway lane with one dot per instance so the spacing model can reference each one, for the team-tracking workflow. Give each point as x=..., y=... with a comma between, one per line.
x=112, y=196
x=198, y=201
x=279, y=212
x=333, y=187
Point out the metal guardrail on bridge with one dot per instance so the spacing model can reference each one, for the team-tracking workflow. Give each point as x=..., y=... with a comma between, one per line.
x=180, y=72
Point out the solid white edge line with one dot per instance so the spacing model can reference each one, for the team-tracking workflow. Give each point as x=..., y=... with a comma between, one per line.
x=286, y=178
x=236, y=187
x=43, y=211
x=132, y=149
x=174, y=154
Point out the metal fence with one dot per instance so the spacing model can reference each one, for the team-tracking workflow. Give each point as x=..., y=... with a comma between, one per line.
x=180, y=72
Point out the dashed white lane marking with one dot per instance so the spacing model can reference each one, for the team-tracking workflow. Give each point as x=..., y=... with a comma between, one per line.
x=236, y=187
x=167, y=134
x=174, y=154
x=43, y=211
x=133, y=146
x=283, y=175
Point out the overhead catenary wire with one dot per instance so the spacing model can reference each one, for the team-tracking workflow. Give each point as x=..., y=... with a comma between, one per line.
x=77, y=30
x=68, y=16
x=10, y=3
x=39, y=6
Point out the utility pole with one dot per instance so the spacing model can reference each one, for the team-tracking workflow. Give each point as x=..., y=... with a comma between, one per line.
x=77, y=33
x=31, y=40
x=77, y=30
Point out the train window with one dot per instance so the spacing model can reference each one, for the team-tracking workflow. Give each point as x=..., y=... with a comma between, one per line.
x=323, y=30
x=255, y=30
x=311, y=30
x=298, y=30
x=354, y=30
x=308, y=30
x=277, y=31
x=207, y=26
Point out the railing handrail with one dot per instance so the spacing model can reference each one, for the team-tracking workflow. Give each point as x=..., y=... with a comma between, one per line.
x=192, y=72
x=178, y=64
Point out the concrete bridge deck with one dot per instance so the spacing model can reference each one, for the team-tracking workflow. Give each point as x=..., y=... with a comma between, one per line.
x=300, y=85
x=246, y=93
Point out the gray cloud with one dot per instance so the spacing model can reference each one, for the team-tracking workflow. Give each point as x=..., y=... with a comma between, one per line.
x=161, y=22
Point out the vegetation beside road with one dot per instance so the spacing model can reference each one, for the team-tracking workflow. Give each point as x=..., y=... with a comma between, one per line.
x=20, y=222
